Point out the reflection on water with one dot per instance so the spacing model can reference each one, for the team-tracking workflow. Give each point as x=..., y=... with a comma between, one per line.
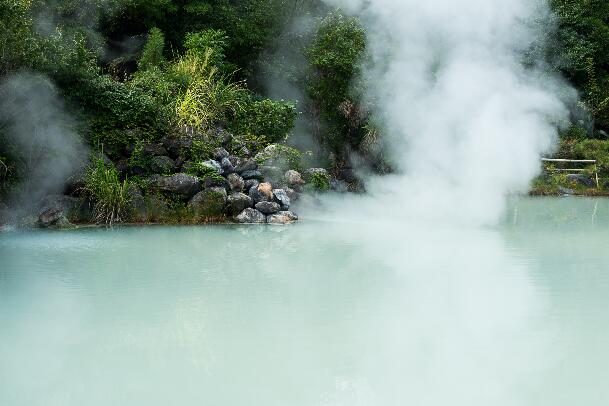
x=322, y=313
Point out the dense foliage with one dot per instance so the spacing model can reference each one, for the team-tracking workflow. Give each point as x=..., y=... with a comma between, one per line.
x=135, y=73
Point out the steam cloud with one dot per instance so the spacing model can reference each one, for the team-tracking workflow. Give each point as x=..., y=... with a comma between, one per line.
x=41, y=136
x=466, y=119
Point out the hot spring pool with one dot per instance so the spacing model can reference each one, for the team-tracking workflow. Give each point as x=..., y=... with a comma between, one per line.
x=320, y=313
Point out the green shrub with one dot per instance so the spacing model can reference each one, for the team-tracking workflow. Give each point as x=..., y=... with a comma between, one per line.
x=318, y=181
x=152, y=55
x=210, y=40
x=335, y=55
x=109, y=195
x=272, y=119
x=282, y=156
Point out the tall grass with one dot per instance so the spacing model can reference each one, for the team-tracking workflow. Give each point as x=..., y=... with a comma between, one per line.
x=109, y=194
x=209, y=97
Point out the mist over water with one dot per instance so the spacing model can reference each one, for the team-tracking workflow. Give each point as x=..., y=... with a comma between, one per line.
x=313, y=315
x=465, y=105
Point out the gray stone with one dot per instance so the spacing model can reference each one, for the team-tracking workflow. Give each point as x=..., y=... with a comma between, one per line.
x=220, y=154
x=251, y=216
x=209, y=203
x=565, y=191
x=293, y=178
x=281, y=218
x=215, y=181
x=250, y=184
x=237, y=202
x=236, y=182
x=247, y=175
x=338, y=185
x=243, y=151
x=268, y=207
x=227, y=166
x=179, y=183
x=162, y=164
x=155, y=149
x=215, y=165
x=292, y=194
x=50, y=216
x=281, y=197
x=247, y=165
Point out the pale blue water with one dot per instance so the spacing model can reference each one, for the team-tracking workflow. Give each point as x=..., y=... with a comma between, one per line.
x=320, y=313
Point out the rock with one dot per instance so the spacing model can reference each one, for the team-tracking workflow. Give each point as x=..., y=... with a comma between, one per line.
x=237, y=202
x=272, y=174
x=247, y=165
x=261, y=193
x=50, y=216
x=247, y=175
x=250, y=184
x=236, y=161
x=65, y=203
x=581, y=180
x=175, y=146
x=565, y=191
x=220, y=154
x=282, y=217
x=236, y=182
x=215, y=181
x=155, y=149
x=215, y=165
x=281, y=197
x=162, y=164
x=293, y=178
x=251, y=216
x=227, y=166
x=268, y=207
x=179, y=183
x=209, y=202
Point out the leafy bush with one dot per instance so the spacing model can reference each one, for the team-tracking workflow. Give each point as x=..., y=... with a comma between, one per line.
x=272, y=119
x=152, y=55
x=319, y=181
x=335, y=56
x=199, y=43
x=110, y=195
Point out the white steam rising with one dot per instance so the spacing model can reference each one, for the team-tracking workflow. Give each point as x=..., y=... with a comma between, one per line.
x=40, y=134
x=466, y=119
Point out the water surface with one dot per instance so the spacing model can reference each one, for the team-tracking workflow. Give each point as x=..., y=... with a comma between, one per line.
x=321, y=313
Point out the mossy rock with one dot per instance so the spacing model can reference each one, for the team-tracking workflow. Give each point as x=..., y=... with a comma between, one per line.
x=209, y=203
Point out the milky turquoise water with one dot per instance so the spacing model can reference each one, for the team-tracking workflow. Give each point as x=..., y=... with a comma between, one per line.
x=320, y=313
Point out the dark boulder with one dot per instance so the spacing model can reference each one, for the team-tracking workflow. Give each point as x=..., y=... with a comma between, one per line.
x=180, y=183
x=268, y=207
x=261, y=193
x=209, y=202
x=155, y=150
x=220, y=154
x=162, y=164
x=251, y=216
x=282, y=217
x=281, y=197
x=227, y=166
x=236, y=182
x=248, y=184
x=247, y=175
x=247, y=165
x=237, y=202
